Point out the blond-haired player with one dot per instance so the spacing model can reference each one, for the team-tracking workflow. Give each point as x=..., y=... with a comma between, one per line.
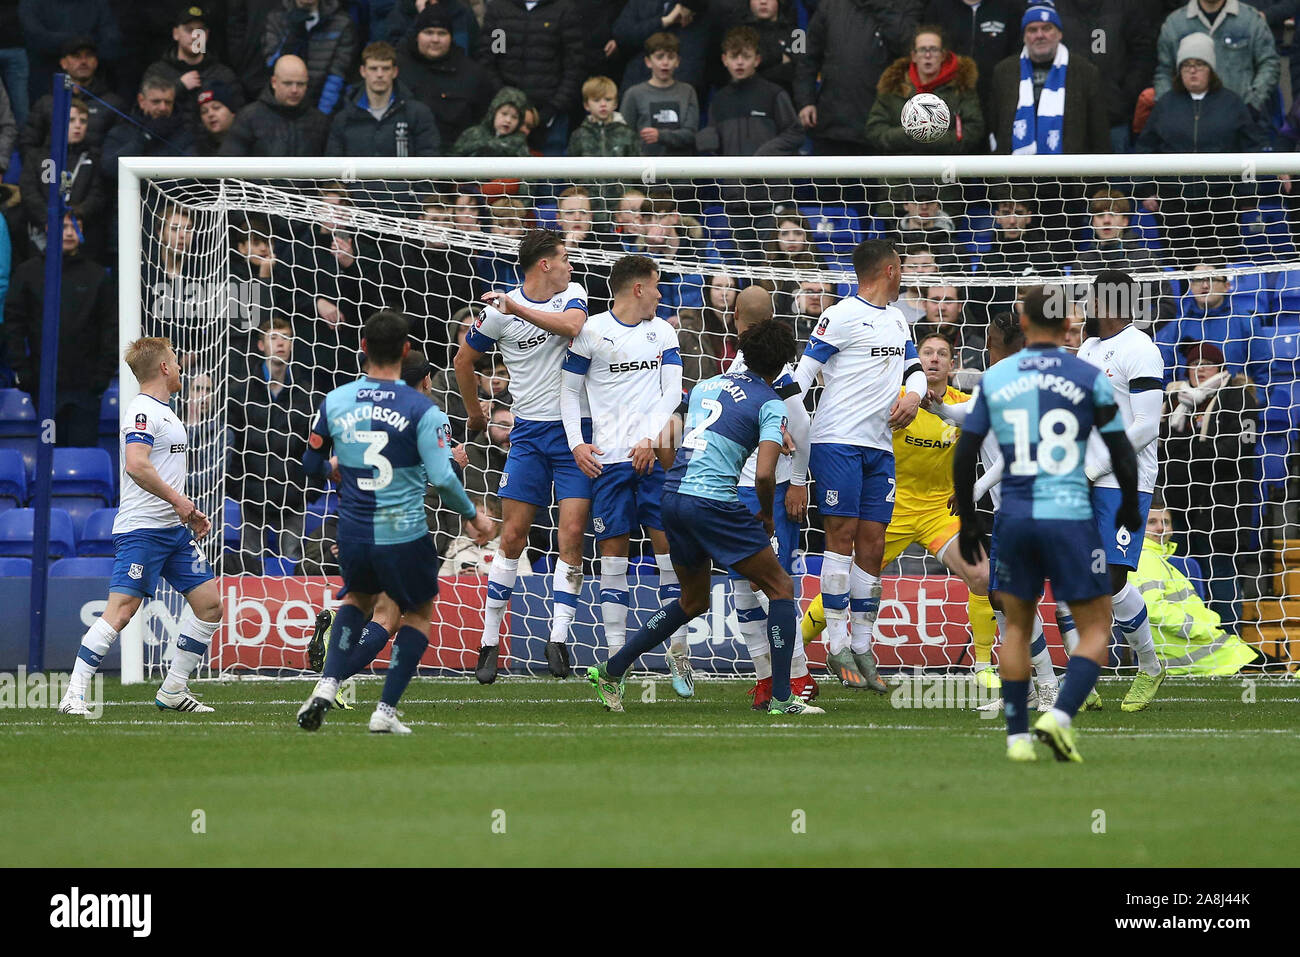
x=155, y=535
x=923, y=508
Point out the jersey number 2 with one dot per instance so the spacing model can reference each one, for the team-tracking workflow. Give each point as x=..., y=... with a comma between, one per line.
x=1049, y=440
x=694, y=439
x=375, y=441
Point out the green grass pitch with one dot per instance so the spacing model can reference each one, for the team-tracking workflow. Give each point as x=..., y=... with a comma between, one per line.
x=532, y=771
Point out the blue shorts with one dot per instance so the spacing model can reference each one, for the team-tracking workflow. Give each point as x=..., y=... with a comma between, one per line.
x=853, y=481
x=621, y=500
x=786, y=539
x=141, y=557
x=407, y=572
x=1122, y=548
x=1067, y=553
x=700, y=529
x=540, y=459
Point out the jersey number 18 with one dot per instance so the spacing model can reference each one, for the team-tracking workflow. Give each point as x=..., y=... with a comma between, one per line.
x=1049, y=440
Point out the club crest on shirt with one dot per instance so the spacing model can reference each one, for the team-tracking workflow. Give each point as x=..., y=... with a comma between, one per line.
x=822, y=326
x=141, y=421
x=135, y=571
x=598, y=524
x=650, y=335
x=505, y=477
x=832, y=496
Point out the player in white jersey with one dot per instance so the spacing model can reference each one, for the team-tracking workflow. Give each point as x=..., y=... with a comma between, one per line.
x=626, y=364
x=1136, y=371
x=1004, y=337
x=863, y=349
x=532, y=325
x=754, y=306
x=155, y=535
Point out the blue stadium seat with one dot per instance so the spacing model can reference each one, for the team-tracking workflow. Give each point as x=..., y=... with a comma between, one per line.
x=715, y=222
x=96, y=538
x=836, y=229
x=82, y=568
x=79, y=509
x=13, y=480
x=15, y=568
x=230, y=521
x=1192, y=569
x=1265, y=233
x=16, y=533
x=17, y=414
x=1287, y=284
x=547, y=214
x=278, y=567
x=83, y=472
x=109, y=411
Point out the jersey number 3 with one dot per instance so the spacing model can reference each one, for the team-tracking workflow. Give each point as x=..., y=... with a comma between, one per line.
x=1049, y=440
x=375, y=441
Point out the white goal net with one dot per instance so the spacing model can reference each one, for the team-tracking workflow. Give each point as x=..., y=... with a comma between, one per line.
x=262, y=275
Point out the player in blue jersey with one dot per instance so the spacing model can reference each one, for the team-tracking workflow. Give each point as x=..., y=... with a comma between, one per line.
x=532, y=325
x=728, y=417
x=1043, y=404
x=863, y=350
x=391, y=442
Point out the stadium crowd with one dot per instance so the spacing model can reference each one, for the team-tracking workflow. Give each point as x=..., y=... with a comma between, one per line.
x=617, y=78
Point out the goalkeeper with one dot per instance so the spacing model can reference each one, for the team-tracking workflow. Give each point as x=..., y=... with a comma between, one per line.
x=923, y=508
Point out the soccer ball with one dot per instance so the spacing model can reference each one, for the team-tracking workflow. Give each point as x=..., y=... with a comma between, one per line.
x=925, y=117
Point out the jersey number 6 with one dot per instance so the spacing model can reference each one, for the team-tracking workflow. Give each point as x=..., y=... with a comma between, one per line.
x=375, y=441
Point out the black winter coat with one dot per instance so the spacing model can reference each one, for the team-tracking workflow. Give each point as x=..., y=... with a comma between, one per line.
x=269, y=128
x=87, y=324
x=541, y=52
x=850, y=43
x=1128, y=57
x=210, y=69
x=406, y=129
x=166, y=136
x=642, y=18
x=268, y=437
x=987, y=34
x=88, y=196
x=1220, y=123
x=37, y=131
x=456, y=88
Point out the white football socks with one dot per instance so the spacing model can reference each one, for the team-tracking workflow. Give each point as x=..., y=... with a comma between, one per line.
x=195, y=637
x=864, y=599
x=1069, y=632
x=835, y=599
x=99, y=637
x=614, y=600
x=501, y=584
x=1135, y=625
x=565, y=587
x=752, y=620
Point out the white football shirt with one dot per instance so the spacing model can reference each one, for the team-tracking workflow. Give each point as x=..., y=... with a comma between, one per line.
x=784, y=463
x=1133, y=363
x=534, y=357
x=148, y=421
x=865, y=349
x=624, y=378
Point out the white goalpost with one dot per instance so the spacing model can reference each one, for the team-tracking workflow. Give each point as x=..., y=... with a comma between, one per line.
x=214, y=251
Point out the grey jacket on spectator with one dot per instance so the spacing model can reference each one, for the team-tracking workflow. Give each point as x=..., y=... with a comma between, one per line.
x=543, y=52
x=328, y=47
x=269, y=128
x=37, y=131
x=1118, y=38
x=1246, y=57
x=850, y=43
x=674, y=111
x=407, y=127
x=1086, y=123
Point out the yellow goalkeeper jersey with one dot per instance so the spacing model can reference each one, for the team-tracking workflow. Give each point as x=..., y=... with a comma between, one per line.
x=923, y=460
